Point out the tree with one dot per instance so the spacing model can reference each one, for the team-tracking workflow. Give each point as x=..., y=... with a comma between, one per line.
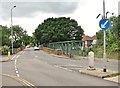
x=58, y=29
x=5, y=31
x=20, y=36
x=112, y=35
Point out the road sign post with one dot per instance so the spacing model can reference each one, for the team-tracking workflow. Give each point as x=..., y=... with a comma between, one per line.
x=104, y=25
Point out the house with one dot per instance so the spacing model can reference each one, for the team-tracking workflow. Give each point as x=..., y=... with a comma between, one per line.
x=89, y=40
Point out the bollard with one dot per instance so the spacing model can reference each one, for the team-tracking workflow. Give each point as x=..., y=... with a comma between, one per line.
x=91, y=60
x=8, y=55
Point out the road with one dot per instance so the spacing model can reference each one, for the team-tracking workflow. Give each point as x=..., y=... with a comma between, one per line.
x=37, y=68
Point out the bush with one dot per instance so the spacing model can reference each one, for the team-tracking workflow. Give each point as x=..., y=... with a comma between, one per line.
x=99, y=52
x=5, y=48
x=17, y=44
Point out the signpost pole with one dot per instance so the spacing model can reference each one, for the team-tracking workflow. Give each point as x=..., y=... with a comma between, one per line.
x=104, y=54
x=104, y=24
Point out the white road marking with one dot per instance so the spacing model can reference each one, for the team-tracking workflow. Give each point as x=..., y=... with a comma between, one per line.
x=16, y=70
x=17, y=56
x=15, y=61
x=61, y=67
x=36, y=56
x=18, y=75
x=64, y=68
x=70, y=70
x=21, y=52
x=24, y=82
x=13, y=57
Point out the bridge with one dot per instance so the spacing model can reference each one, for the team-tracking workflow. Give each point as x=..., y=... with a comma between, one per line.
x=69, y=48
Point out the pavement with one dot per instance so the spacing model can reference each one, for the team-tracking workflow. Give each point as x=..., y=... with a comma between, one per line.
x=98, y=72
x=5, y=59
x=109, y=75
x=114, y=79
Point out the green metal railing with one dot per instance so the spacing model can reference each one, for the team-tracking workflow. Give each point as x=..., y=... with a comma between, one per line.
x=69, y=47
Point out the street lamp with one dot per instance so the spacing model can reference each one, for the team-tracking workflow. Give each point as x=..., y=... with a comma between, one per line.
x=99, y=15
x=108, y=12
x=12, y=29
x=106, y=15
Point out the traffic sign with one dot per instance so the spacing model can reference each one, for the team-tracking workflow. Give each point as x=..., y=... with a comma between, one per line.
x=104, y=24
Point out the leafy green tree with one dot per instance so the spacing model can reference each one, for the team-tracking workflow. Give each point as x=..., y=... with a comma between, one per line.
x=20, y=36
x=112, y=35
x=5, y=31
x=58, y=29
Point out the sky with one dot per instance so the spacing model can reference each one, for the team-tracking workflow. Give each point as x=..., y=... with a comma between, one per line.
x=30, y=13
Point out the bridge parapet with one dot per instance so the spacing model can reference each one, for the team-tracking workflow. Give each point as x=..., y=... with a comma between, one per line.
x=69, y=48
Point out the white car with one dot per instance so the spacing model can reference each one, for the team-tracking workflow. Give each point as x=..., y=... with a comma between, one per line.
x=36, y=48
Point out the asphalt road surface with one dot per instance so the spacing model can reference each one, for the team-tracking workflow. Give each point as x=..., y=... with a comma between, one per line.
x=37, y=68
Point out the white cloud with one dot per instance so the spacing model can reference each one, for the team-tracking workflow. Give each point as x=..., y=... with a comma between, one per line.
x=85, y=14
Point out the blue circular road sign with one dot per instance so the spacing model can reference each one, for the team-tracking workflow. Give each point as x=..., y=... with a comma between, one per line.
x=104, y=24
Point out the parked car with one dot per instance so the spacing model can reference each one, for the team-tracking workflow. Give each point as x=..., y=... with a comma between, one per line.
x=36, y=48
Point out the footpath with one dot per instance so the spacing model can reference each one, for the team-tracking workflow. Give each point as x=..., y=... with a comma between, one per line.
x=4, y=58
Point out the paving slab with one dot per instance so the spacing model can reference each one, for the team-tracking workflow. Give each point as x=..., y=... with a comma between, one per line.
x=4, y=59
x=114, y=79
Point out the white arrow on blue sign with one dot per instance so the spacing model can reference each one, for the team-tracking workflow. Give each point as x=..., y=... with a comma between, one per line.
x=104, y=24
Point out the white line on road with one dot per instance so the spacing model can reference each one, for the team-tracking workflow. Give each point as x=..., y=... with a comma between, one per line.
x=15, y=61
x=13, y=57
x=24, y=82
x=18, y=75
x=17, y=56
x=36, y=56
x=22, y=52
x=16, y=70
x=64, y=68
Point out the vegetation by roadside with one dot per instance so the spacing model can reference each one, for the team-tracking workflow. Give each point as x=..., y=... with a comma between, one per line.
x=20, y=39
x=112, y=40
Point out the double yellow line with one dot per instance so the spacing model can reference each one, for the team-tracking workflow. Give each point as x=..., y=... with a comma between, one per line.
x=21, y=80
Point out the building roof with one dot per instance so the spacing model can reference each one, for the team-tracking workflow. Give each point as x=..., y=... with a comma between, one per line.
x=86, y=37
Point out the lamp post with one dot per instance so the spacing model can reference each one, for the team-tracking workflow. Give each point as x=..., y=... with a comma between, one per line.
x=108, y=12
x=12, y=29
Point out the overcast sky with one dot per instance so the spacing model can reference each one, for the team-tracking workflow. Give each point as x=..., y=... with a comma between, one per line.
x=30, y=13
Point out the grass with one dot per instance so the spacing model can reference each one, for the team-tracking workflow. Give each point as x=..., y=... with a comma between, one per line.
x=112, y=55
